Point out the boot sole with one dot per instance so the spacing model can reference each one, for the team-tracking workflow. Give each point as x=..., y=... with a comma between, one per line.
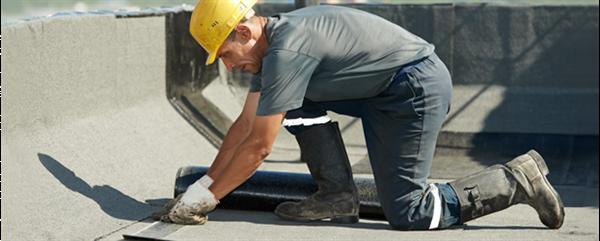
x=334, y=219
x=542, y=166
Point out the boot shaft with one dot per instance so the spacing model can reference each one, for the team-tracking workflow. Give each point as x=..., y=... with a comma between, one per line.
x=522, y=180
x=323, y=150
x=484, y=192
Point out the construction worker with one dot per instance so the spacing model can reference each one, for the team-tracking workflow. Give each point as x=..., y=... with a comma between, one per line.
x=330, y=58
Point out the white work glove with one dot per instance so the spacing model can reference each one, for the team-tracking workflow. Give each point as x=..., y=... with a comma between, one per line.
x=192, y=206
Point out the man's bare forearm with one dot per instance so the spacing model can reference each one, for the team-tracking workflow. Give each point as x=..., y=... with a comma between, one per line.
x=249, y=155
x=237, y=133
x=243, y=164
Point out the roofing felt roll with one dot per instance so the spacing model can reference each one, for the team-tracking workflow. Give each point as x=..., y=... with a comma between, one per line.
x=267, y=189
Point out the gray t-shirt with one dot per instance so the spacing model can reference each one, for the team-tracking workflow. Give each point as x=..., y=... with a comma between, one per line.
x=326, y=53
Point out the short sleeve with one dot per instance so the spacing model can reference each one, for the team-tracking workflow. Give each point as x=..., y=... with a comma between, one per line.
x=285, y=77
x=255, y=83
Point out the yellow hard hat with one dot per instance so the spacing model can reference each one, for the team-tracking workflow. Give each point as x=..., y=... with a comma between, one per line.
x=213, y=20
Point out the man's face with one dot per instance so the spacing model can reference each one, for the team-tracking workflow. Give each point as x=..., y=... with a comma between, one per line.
x=239, y=53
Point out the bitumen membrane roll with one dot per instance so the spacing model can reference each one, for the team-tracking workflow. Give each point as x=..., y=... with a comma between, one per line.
x=267, y=189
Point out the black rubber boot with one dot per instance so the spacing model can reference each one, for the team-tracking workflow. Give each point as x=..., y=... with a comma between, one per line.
x=522, y=180
x=323, y=150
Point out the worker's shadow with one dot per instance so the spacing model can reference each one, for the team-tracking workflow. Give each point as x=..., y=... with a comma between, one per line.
x=112, y=201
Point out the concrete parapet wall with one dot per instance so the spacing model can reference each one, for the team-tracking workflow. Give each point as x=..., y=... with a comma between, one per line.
x=72, y=67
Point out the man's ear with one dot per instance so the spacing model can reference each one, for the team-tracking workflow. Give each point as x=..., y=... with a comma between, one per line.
x=243, y=32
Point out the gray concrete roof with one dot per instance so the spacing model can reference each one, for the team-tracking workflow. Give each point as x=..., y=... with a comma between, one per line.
x=90, y=147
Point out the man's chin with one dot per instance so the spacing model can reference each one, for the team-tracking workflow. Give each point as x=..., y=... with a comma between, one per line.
x=251, y=71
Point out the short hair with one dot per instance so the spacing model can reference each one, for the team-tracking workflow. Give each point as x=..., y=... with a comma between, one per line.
x=247, y=17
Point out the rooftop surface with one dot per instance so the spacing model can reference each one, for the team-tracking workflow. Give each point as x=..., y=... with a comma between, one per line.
x=90, y=148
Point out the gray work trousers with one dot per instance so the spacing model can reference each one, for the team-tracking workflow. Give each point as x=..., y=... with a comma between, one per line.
x=401, y=126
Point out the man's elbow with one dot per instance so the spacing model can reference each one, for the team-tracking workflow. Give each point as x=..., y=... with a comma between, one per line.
x=259, y=150
x=263, y=152
x=242, y=125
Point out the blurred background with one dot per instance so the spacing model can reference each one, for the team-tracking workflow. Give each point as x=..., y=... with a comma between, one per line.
x=19, y=9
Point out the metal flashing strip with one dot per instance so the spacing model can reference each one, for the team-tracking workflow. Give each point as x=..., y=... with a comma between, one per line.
x=155, y=231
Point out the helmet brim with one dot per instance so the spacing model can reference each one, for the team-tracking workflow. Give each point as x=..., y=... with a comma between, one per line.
x=211, y=58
